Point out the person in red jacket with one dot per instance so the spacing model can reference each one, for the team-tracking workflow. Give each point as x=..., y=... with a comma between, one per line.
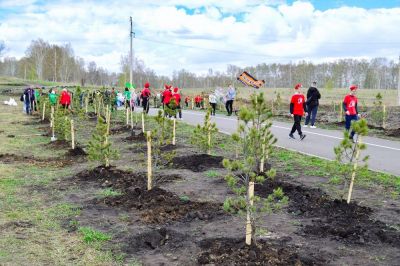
x=177, y=98
x=145, y=96
x=297, y=109
x=350, y=102
x=167, y=95
x=65, y=99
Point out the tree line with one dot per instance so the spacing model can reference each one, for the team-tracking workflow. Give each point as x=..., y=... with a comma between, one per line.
x=51, y=62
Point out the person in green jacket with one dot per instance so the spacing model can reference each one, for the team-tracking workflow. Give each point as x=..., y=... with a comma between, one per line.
x=53, y=97
x=38, y=93
x=127, y=95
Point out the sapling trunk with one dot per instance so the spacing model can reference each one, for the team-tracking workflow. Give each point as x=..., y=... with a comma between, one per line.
x=44, y=110
x=173, y=132
x=72, y=135
x=353, y=174
x=249, y=229
x=149, y=172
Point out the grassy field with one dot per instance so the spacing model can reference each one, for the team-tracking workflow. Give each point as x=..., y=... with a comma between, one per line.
x=328, y=96
x=33, y=211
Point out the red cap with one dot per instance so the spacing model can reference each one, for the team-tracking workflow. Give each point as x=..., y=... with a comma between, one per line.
x=167, y=86
x=176, y=90
x=353, y=87
x=298, y=86
x=147, y=85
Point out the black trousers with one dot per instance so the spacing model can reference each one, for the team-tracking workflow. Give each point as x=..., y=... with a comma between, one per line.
x=213, y=106
x=229, y=106
x=145, y=104
x=296, y=125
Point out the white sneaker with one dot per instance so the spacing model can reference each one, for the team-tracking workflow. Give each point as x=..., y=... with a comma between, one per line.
x=305, y=126
x=313, y=127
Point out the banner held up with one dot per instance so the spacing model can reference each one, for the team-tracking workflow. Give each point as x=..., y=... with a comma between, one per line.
x=249, y=80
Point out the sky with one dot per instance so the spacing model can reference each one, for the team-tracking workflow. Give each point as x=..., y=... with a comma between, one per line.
x=200, y=34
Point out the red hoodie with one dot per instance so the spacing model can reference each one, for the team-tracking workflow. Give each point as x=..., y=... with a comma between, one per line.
x=145, y=93
x=297, y=104
x=65, y=98
x=167, y=95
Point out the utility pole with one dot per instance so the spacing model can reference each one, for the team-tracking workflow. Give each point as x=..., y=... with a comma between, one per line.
x=55, y=63
x=132, y=35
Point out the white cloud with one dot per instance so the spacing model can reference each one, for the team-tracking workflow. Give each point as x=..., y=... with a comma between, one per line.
x=267, y=31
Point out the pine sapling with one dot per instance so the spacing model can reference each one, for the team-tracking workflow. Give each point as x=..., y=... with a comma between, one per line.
x=204, y=136
x=100, y=146
x=253, y=132
x=348, y=153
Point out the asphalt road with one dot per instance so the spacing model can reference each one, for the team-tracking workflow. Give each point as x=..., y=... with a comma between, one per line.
x=384, y=154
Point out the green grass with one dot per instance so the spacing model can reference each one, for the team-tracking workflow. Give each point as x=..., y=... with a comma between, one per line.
x=324, y=168
x=108, y=192
x=91, y=235
x=212, y=174
x=184, y=198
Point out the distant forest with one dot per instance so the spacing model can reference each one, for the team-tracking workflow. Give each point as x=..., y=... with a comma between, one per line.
x=44, y=61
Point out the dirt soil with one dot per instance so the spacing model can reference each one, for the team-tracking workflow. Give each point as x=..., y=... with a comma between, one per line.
x=333, y=218
x=197, y=162
x=234, y=251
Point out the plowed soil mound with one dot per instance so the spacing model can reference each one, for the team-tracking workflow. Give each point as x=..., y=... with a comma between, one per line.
x=159, y=206
x=197, y=162
x=234, y=251
x=333, y=218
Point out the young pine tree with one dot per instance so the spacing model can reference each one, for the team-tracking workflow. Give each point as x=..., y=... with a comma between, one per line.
x=100, y=146
x=255, y=141
x=348, y=154
x=62, y=124
x=204, y=136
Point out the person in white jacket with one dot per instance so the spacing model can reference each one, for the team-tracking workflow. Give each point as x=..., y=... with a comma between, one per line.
x=213, y=102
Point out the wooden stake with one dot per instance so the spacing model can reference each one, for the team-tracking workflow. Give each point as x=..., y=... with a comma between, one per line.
x=136, y=118
x=95, y=106
x=130, y=111
x=72, y=135
x=143, y=123
x=44, y=110
x=262, y=155
x=209, y=142
x=353, y=174
x=108, y=118
x=86, y=104
x=192, y=103
x=127, y=116
x=340, y=118
x=149, y=174
x=384, y=116
x=52, y=116
x=248, y=222
x=173, y=132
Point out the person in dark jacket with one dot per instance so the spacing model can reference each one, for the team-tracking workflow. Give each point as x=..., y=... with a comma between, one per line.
x=29, y=99
x=312, y=104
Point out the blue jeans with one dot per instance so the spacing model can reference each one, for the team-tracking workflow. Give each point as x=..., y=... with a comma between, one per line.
x=28, y=107
x=313, y=114
x=350, y=118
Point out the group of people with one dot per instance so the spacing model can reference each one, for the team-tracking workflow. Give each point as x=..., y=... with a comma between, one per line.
x=31, y=98
x=171, y=101
x=300, y=106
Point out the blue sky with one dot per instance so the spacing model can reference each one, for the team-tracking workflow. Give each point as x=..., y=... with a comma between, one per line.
x=202, y=34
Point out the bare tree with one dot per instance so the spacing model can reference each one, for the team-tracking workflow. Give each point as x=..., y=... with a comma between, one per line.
x=37, y=51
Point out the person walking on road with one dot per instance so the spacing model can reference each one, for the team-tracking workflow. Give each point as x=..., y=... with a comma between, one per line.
x=297, y=109
x=212, y=99
x=145, y=96
x=312, y=104
x=230, y=97
x=350, y=103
